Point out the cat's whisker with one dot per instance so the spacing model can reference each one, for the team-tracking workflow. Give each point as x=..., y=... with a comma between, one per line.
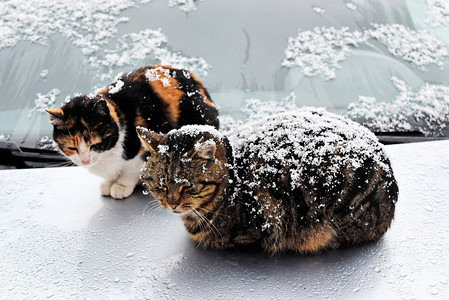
x=198, y=219
x=152, y=209
x=213, y=228
x=150, y=206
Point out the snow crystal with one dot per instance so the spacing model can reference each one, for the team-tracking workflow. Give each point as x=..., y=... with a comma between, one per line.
x=153, y=75
x=318, y=10
x=46, y=143
x=90, y=25
x=116, y=86
x=44, y=102
x=200, y=144
x=195, y=130
x=418, y=47
x=437, y=13
x=320, y=52
x=4, y=137
x=130, y=49
x=162, y=149
x=351, y=6
x=184, y=5
x=256, y=109
x=426, y=110
x=133, y=48
x=44, y=74
x=196, y=65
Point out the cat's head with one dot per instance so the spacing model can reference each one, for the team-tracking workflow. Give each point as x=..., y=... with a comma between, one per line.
x=84, y=129
x=187, y=170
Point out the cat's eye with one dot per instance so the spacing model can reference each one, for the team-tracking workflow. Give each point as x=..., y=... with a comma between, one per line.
x=162, y=188
x=72, y=148
x=95, y=147
x=189, y=186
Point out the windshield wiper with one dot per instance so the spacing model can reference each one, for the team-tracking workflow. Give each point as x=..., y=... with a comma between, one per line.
x=401, y=137
x=14, y=157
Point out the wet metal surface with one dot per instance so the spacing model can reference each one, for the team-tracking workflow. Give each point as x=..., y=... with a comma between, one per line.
x=60, y=239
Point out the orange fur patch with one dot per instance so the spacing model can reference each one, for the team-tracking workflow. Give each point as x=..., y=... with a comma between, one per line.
x=206, y=99
x=139, y=120
x=203, y=91
x=168, y=90
x=318, y=239
x=95, y=140
x=69, y=141
x=103, y=91
x=57, y=111
x=113, y=112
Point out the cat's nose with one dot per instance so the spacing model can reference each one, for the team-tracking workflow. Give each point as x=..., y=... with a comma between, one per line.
x=85, y=162
x=173, y=206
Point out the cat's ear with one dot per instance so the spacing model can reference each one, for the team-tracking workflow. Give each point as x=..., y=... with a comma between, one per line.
x=102, y=107
x=205, y=150
x=56, y=116
x=149, y=139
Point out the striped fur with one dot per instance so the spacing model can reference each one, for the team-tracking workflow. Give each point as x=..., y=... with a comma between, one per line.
x=244, y=189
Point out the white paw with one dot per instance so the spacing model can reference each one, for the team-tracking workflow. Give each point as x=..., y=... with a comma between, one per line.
x=119, y=191
x=105, y=187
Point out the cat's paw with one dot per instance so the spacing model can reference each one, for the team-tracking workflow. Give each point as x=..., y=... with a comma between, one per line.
x=105, y=187
x=120, y=191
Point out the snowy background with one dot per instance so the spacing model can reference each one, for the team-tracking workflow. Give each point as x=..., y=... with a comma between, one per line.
x=382, y=64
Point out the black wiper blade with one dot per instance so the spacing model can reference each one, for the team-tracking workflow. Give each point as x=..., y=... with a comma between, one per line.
x=401, y=137
x=14, y=157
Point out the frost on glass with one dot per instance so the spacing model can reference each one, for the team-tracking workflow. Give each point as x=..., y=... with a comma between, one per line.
x=91, y=25
x=4, y=137
x=437, y=13
x=319, y=10
x=43, y=102
x=417, y=47
x=130, y=49
x=46, y=143
x=321, y=51
x=351, y=6
x=134, y=48
x=88, y=24
x=426, y=110
x=257, y=109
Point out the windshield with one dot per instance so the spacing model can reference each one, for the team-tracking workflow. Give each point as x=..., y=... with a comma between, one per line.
x=381, y=63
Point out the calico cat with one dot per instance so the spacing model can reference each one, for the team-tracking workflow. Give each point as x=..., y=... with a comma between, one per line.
x=99, y=130
x=302, y=181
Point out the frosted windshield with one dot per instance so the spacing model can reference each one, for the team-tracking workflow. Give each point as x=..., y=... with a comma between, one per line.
x=381, y=63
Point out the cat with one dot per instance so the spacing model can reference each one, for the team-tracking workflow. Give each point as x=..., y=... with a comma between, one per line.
x=302, y=181
x=98, y=131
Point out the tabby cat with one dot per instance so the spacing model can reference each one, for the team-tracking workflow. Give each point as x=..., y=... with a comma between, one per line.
x=302, y=181
x=99, y=130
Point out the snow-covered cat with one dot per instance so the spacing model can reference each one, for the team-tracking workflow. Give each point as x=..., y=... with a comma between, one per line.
x=301, y=181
